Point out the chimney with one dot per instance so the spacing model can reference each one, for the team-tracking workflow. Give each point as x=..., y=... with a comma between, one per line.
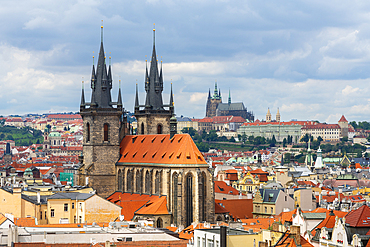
x=223, y=235
x=295, y=231
x=275, y=226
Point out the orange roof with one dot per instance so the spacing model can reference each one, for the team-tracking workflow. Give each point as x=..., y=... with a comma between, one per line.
x=160, y=149
x=2, y=218
x=71, y=225
x=238, y=208
x=258, y=123
x=359, y=217
x=29, y=221
x=321, y=126
x=141, y=204
x=343, y=119
x=288, y=240
x=222, y=187
x=154, y=207
x=257, y=224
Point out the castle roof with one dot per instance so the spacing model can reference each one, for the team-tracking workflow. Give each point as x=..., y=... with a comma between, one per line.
x=161, y=150
x=231, y=107
x=343, y=119
x=321, y=126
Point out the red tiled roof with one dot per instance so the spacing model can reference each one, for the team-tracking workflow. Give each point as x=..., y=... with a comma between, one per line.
x=359, y=217
x=222, y=187
x=180, y=149
x=219, y=209
x=258, y=123
x=343, y=119
x=64, y=116
x=238, y=208
x=2, y=218
x=29, y=221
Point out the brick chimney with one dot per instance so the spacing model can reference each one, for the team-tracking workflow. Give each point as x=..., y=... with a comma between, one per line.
x=275, y=226
x=295, y=231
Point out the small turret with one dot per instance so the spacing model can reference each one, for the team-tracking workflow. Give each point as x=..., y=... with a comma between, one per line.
x=173, y=126
x=137, y=98
x=171, y=100
x=119, y=100
x=82, y=105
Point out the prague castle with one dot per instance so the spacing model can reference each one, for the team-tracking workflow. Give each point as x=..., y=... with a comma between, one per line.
x=215, y=107
x=156, y=162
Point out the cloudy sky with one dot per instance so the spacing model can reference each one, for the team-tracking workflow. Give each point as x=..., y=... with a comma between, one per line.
x=310, y=59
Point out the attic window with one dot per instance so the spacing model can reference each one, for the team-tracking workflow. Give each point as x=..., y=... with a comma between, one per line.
x=133, y=156
x=153, y=139
x=125, y=155
x=134, y=139
x=163, y=155
x=188, y=155
x=163, y=139
x=143, y=140
x=154, y=154
x=145, y=154
x=173, y=138
x=179, y=155
x=170, y=155
x=179, y=139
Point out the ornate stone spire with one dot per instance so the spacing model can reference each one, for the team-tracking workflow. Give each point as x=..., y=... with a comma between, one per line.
x=82, y=105
x=137, y=98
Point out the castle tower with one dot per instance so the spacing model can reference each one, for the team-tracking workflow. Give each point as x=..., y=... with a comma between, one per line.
x=8, y=155
x=104, y=126
x=153, y=118
x=268, y=116
x=212, y=102
x=278, y=115
x=343, y=124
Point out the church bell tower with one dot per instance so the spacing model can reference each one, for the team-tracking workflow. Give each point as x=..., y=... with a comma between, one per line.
x=104, y=126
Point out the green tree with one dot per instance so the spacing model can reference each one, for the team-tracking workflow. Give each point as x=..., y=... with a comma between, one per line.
x=203, y=147
x=250, y=139
x=244, y=138
x=305, y=138
x=9, y=137
x=287, y=157
x=284, y=142
x=232, y=139
x=191, y=131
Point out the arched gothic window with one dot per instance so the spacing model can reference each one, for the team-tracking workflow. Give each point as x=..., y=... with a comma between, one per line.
x=202, y=196
x=142, y=128
x=189, y=198
x=106, y=132
x=175, y=180
x=159, y=129
x=148, y=183
x=120, y=180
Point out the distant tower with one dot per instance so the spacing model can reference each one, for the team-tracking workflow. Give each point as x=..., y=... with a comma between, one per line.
x=268, y=116
x=212, y=102
x=104, y=126
x=7, y=155
x=319, y=162
x=278, y=115
x=308, y=161
x=343, y=124
x=153, y=118
x=229, y=99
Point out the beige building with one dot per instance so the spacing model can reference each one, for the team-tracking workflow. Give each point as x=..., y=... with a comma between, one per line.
x=75, y=207
x=328, y=132
x=185, y=122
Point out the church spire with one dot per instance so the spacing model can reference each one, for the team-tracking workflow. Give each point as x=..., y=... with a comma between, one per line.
x=137, y=98
x=101, y=81
x=229, y=100
x=154, y=83
x=215, y=92
x=171, y=98
x=82, y=105
x=119, y=101
x=219, y=93
x=209, y=93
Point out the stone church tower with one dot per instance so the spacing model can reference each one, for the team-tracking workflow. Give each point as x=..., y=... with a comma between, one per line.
x=104, y=126
x=153, y=118
x=212, y=102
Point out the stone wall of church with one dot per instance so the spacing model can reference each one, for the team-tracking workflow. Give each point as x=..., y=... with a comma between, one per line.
x=172, y=183
x=151, y=123
x=99, y=156
x=212, y=107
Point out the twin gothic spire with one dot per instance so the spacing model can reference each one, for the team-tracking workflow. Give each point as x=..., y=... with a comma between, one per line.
x=101, y=84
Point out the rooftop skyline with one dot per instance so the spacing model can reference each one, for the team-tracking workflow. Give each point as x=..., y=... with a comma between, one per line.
x=310, y=60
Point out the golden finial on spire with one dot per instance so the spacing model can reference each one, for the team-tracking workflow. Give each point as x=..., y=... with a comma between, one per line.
x=101, y=30
x=153, y=26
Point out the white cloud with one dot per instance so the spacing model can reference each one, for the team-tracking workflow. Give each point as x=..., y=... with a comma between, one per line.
x=349, y=90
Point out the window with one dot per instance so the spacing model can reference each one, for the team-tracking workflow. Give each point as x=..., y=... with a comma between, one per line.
x=65, y=207
x=52, y=213
x=73, y=205
x=80, y=205
x=88, y=133
x=45, y=215
x=142, y=128
x=272, y=210
x=106, y=132
x=74, y=219
x=40, y=215
x=286, y=198
x=159, y=129
x=266, y=210
x=80, y=219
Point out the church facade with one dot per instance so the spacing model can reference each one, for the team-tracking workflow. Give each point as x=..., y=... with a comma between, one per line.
x=157, y=161
x=215, y=107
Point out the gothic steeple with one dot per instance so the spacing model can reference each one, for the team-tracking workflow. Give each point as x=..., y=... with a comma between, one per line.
x=119, y=100
x=209, y=93
x=82, y=96
x=154, y=83
x=101, y=82
x=229, y=100
x=137, y=98
x=171, y=99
